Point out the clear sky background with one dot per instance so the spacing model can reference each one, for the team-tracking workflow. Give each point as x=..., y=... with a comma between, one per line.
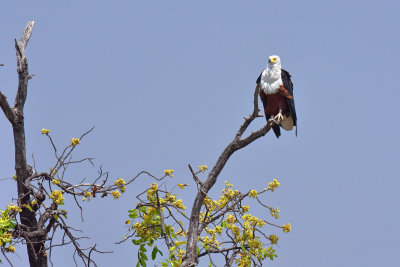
x=167, y=83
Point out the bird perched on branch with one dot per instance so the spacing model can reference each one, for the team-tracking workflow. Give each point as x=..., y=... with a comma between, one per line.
x=276, y=93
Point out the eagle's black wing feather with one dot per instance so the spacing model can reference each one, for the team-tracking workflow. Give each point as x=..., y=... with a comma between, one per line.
x=287, y=83
x=259, y=78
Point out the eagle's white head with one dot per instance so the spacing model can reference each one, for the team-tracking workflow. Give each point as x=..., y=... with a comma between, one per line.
x=274, y=61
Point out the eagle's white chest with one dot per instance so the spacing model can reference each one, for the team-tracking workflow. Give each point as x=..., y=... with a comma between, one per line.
x=271, y=80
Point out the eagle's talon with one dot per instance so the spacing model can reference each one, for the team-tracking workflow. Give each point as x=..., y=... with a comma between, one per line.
x=273, y=120
x=278, y=118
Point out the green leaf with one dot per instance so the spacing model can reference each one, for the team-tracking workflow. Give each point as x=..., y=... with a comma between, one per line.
x=133, y=216
x=160, y=252
x=142, y=262
x=29, y=207
x=142, y=248
x=143, y=256
x=224, y=224
x=209, y=264
x=142, y=209
x=151, y=242
x=137, y=264
x=168, y=230
x=12, y=224
x=154, y=253
x=243, y=248
x=197, y=250
x=136, y=242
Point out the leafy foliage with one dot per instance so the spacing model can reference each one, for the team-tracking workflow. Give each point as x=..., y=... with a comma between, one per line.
x=7, y=226
x=226, y=226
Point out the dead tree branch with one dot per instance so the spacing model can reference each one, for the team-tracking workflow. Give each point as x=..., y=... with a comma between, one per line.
x=191, y=257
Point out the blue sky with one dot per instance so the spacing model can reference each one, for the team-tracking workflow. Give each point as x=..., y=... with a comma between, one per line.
x=166, y=83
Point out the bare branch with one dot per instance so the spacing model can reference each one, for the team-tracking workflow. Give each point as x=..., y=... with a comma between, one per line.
x=6, y=108
x=191, y=258
x=195, y=177
x=26, y=35
x=5, y=256
x=163, y=231
x=218, y=251
x=22, y=67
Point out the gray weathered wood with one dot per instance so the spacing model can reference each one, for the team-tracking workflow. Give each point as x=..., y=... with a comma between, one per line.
x=35, y=236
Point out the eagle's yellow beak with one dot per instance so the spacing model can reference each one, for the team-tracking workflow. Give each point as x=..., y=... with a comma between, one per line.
x=272, y=59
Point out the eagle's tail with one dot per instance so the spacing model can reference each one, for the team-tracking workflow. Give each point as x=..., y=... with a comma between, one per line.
x=277, y=130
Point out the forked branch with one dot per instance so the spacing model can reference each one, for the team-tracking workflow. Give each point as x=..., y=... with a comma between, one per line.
x=191, y=257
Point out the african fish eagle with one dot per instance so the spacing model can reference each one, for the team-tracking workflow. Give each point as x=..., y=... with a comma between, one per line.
x=276, y=93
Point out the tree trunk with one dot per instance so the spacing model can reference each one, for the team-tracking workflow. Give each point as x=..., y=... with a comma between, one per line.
x=35, y=242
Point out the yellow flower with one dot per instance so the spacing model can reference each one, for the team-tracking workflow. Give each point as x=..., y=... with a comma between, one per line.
x=230, y=218
x=235, y=230
x=287, y=228
x=15, y=177
x=121, y=184
x=245, y=208
x=247, y=217
x=57, y=196
x=218, y=229
x=275, y=212
x=178, y=204
x=169, y=173
x=55, y=181
x=87, y=195
x=181, y=186
x=127, y=221
x=227, y=184
x=34, y=202
x=45, y=131
x=253, y=193
x=116, y=194
x=180, y=253
x=154, y=186
x=75, y=141
x=170, y=198
x=202, y=168
x=13, y=207
x=7, y=236
x=11, y=249
x=273, y=239
x=274, y=184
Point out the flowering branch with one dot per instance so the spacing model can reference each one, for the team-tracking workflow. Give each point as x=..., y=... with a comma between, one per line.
x=191, y=258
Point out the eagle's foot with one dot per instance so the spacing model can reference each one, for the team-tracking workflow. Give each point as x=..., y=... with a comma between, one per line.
x=274, y=121
x=278, y=118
